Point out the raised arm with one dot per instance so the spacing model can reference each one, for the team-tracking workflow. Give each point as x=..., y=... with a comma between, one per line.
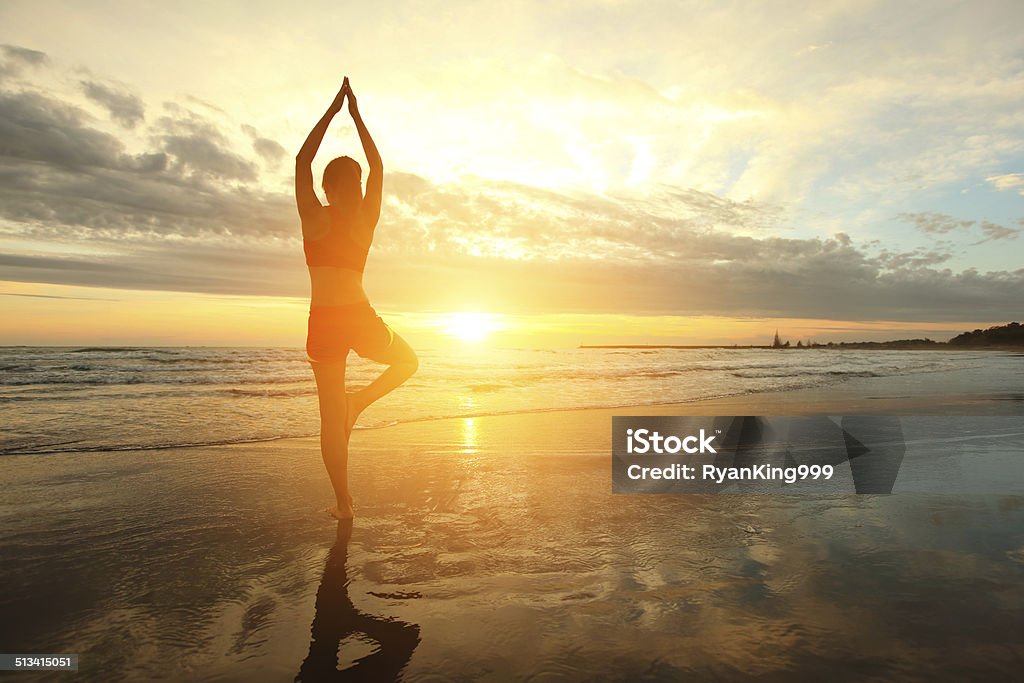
x=305, y=195
x=375, y=178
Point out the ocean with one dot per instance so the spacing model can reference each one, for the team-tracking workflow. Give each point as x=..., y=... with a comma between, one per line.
x=68, y=399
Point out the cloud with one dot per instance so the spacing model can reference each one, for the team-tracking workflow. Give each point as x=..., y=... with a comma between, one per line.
x=811, y=48
x=768, y=278
x=269, y=150
x=55, y=296
x=174, y=266
x=62, y=178
x=518, y=248
x=35, y=127
x=124, y=107
x=916, y=258
x=180, y=204
x=25, y=55
x=933, y=223
x=200, y=148
x=16, y=59
x=994, y=231
x=480, y=217
x=1008, y=181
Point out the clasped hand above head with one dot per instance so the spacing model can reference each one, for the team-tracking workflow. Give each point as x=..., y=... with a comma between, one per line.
x=339, y=99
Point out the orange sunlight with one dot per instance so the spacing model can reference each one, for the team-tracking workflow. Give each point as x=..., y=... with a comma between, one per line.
x=40, y=314
x=471, y=326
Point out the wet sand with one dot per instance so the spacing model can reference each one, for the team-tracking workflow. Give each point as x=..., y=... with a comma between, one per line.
x=492, y=549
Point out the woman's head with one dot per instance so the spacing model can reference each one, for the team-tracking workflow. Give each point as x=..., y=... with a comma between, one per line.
x=343, y=182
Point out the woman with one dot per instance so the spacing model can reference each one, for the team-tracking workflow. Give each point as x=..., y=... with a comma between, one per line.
x=336, y=239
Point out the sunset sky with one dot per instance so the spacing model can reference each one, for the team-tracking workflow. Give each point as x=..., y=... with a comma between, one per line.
x=580, y=172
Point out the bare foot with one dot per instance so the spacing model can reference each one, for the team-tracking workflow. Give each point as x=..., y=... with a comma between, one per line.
x=353, y=407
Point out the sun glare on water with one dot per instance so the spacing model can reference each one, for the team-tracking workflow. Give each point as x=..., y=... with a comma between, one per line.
x=471, y=326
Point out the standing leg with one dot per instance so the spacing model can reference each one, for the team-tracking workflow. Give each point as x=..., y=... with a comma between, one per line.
x=402, y=363
x=330, y=389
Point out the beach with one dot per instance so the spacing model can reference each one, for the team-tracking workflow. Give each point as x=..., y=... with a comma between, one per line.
x=492, y=548
x=674, y=342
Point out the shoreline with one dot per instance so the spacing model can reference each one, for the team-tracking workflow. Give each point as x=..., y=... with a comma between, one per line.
x=917, y=393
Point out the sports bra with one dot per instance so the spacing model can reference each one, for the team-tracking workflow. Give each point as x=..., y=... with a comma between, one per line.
x=336, y=248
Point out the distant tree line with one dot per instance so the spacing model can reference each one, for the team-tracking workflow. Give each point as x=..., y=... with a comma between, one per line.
x=1011, y=334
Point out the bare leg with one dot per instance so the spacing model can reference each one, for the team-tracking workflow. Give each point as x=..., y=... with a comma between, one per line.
x=402, y=363
x=330, y=388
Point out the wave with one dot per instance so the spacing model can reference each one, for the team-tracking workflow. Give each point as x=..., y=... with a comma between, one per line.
x=485, y=387
x=47, y=381
x=118, y=349
x=250, y=360
x=274, y=393
x=126, y=378
x=46, y=450
x=829, y=373
x=120, y=448
x=14, y=367
x=228, y=402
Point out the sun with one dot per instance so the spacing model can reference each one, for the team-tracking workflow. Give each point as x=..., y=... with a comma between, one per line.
x=471, y=326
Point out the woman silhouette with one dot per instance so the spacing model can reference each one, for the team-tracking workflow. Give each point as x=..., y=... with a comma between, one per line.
x=336, y=239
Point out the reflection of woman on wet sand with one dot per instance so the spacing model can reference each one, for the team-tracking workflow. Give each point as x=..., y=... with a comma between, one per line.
x=336, y=239
x=336, y=619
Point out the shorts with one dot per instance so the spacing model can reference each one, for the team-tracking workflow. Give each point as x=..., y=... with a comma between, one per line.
x=333, y=330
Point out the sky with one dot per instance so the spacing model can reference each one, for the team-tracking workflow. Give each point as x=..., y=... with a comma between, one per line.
x=563, y=172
